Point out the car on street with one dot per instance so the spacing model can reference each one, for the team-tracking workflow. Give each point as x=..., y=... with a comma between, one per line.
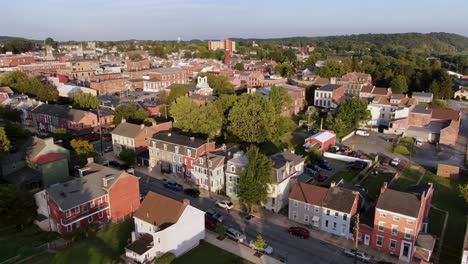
x=114, y=163
x=235, y=235
x=362, y=256
x=395, y=162
x=225, y=204
x=362, y=133
x=299, y=231
x=215, y=215
x=419, y=142
x=108, y=149
x=211, y=224
x=267, y=249
x=192, y=192
x=173, y=186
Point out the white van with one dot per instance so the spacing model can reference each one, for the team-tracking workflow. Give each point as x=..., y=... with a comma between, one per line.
x=362, y=133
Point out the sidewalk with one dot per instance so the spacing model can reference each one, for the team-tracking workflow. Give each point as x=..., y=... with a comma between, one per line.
x=239, y=249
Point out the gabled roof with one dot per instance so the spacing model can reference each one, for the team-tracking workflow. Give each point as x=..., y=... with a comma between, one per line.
x=418, y=94
x=308, y=193
x=279, y=159
x=399, y=202
x=160, y=210
x=380, y=91
x=141, y=245
x=60, y=112
x=179, y=139
x=6, y=89
x=128, y=130
x=340, y=199
x=445, y=114
x=216, y=161
x=49, y=157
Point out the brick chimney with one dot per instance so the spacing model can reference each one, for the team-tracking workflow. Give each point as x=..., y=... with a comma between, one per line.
x=384, y=187
x=186, y=202
x=332, y=184
x=90, y=160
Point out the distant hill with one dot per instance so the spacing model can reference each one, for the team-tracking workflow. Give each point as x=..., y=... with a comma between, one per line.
x=437, y=42
x=8, y=38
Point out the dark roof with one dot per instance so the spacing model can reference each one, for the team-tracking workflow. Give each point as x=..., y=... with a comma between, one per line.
x=141, y=245
x=179, y=139
x=419, y=109
x=279, y=159
x=160, y=210
x=445, y=114
x=340, y=199
x=60, y=111
x=418, y=94
x=81, y=190
x=128, y=130
x=399, y=202
x=308, y=193
x=23, y=176
x=329, y=87
x=168, y=70
x=418, y=189
x=346, y=185
x=216, y=161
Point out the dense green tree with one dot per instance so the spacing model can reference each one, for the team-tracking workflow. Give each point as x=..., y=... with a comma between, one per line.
x=283, y=128
x=86, y=101
x=332, y=68
x=207, y=121
x=182, y=111
x=463, y=188
x=5, y=144
x=128, y=155
x=177, y=90
x=254, y=180
x=335, y=124
x=17, y=206
x=353, y=111
x=239, y=66
x=284, y=69
x=251, y=119
x=131, y=113
x=281, y=99
x=83, y=149
x=220, y=84
x=259, y=243
x=399, y=85
x=48, y=93
x=17, y=135
x=159, y=52
x=51, y=42
x=17, y=46
x=135, y=56
x=9, y=114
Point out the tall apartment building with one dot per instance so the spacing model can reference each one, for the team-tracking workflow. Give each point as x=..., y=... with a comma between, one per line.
x=225, y=44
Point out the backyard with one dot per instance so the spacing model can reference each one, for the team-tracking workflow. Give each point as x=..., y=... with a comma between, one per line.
x=347, y=175
x=410, y=176
x=207, y=253
x=375, y=181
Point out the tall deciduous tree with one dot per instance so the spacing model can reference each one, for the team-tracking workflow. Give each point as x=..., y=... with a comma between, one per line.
x=332, y=68
x=220, y=84
x=255, y=178
x=86, y=101
x=251, y=119
x=284, y=69
x=128, y=156
x=239, y=66
x=83, y=149
x=64, y=135
x=399, y=85
x=207, y=121
x=5, y=145
x=17, y=207
x=177, y=90
x=48, y=93
x=182, y=111
x=281, y=99
x=131, y=113
x=353, y=111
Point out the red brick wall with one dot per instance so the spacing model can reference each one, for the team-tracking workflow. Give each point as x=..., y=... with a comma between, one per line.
x=124, y=197
x=415, y=119
x=13, y=61
x=338, y=93
x=138, y=65
x=449, y=135
x=109, y=86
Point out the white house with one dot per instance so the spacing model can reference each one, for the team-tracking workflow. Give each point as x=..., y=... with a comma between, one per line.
x=233, y=167
x=338, y=209
x=386, y=109
x=165, y=225
x=216, y=169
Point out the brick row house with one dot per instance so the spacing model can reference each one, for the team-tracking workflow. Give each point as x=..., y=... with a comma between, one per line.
x=14, y=61
x=160, y=78
x=138, y=65
x=398, y=223
x=215, y=168
x=331, y=210
x=47, y=117
x=103, y=194
x=329, y=96
x=80, y=68
x=177, y=152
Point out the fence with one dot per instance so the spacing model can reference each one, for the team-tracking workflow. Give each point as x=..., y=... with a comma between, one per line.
x=347, y=136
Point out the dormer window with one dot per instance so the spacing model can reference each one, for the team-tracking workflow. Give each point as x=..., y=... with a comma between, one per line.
x=165, y=147
x=200, y=160
x=177, y=149
x=233, y=169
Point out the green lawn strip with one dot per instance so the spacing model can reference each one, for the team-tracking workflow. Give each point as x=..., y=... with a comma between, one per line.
x=446, y=197
x=373, y=183
x=22, y=242
x=105, y=247
x=436, y=222
x=346, y=175
x=409, y=177
x=208, y=253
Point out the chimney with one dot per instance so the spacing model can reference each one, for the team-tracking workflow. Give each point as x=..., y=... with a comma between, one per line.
x=142, y=126
x=192, y=139
x=332, y=184
x=333, y=80
x=169, y=134
x=90, y=160
x=104, y=182
x=186, y=202
x=384, y=187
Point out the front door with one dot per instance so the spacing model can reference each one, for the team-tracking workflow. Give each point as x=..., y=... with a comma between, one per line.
x=406, y=251
x=366, y=240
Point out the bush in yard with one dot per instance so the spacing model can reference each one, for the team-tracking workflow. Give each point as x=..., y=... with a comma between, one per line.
x=402, y=150
x=165, y=259
x=221, y=230
x=128, y=156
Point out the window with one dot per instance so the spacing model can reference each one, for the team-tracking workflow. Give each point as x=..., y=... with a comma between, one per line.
x=328, y=212
x=230, y=178
x=396, y=218
x=77, y=210
x=316, y=209
x=210, y=164
x=381, y=226
x=408, y=233
x=90, y=219
x=200, y=160
x=306, y=218
x=100, y=215
x=174, y=158
x=393, y=244
x=379, y=241
x=336, y=214
x=382, y=215
x=334, y=225
x=68, y=213
x=165, y=147
x=294, y=215
x=326, y=223
x=92, y=204
x=394, y=230
x=296, y=203
x=345, y=217
x=177, y=149
x=410, y=222
x=306, y=206
x=69, y=228
x=189, y=152
x=233, y=169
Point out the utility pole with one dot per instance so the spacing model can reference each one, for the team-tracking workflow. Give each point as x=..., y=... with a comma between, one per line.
x=356, y=238
x=321, y=123
x=207, y=166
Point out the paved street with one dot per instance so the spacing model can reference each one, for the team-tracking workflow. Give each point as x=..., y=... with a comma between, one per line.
x=274, y=232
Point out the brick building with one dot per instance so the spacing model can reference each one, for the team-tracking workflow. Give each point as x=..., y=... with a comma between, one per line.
x=80, y=68
x=16, y=60
x=225, y=44
x=46, y=117
x=110, y=86
x=137, y=65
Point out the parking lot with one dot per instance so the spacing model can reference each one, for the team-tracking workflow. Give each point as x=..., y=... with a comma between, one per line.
x=373, y=144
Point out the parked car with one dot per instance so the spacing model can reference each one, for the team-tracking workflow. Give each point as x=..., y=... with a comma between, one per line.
x=324, y=164
x=173, y=186
x=235, y=235
x=362, y=133
x=322, y=178
x=419, y=142
x=267, y=249
x=114, y=163
x=108, y=149
x=130, y=171
x=299, y=231
x=211, y=224
x=311, y=171
x=192, y=192
x=215, y=215
x=359, y=254
x=395, y=162
x=357, y=166
x=225, y=204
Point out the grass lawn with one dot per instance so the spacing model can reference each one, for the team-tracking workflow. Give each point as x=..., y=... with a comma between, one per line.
x=436, y=222
x=447, y=197
x=22, y=242
x=347, y=175
x=409, y=177
x=209, y=254
x=373, y=183
x=105, y=247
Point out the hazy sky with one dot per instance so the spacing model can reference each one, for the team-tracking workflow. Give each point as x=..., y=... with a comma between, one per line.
x=213, y=19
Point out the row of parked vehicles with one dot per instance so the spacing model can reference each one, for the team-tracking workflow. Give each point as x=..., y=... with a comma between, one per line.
x=315, y=169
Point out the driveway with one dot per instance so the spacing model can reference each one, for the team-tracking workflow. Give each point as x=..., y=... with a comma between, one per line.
x=374, y=143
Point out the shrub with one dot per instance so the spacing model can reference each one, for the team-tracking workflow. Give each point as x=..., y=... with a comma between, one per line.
x=167, y=258
x=402, y=150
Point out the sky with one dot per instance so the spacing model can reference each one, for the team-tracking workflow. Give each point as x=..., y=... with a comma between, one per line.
x=217, y=19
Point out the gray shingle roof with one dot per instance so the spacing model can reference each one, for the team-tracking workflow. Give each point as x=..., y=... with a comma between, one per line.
x=127, y=130
x=60, y=111
x=141, y=245
x=399, y=202
x=168, y=70
x=329, y=87
x=340, y=199
x=280, y=159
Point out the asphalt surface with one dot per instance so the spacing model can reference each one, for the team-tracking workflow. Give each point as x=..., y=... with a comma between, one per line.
x=294, y=249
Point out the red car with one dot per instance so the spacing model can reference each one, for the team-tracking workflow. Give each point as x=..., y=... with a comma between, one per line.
x=357, y=166
x=322, y=178
x=210, y=224
x=299, y=231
